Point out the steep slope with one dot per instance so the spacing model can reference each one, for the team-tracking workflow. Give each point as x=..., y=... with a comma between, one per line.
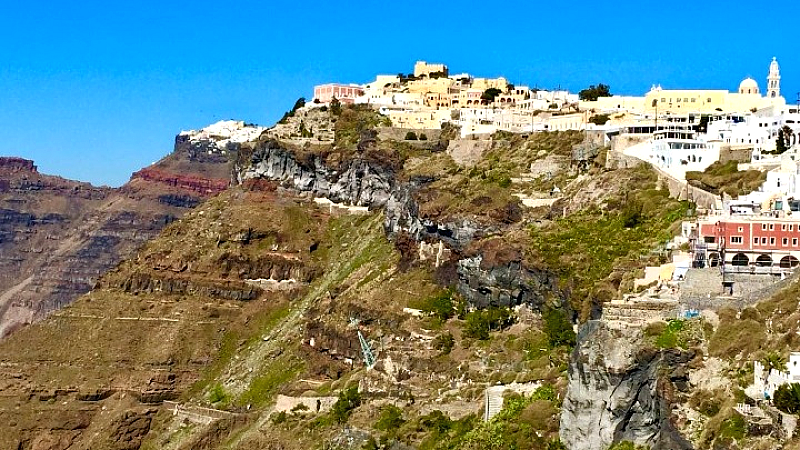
x=58, y=236
x=270, y=317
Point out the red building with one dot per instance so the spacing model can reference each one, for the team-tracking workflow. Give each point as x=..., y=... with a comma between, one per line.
x=345, y=93
x=744, y=244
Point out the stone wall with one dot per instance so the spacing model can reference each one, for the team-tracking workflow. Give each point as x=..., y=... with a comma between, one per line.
x=617, y=160
x=623, y=141
x=726, y=153
x=312, y=404
x=702, y=289
x=399, y=134
x=684, y=191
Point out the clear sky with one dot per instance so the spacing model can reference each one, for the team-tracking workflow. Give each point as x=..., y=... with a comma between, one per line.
x=96, y=90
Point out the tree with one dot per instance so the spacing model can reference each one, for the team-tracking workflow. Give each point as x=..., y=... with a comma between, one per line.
x=558, y=328
x=593, y=92
x=787, y=398
x=299, y=104
x=336, y=106
x=784, y=139
x=780, y=143
x=411, y=136
x=489, y=95
x=599, y=119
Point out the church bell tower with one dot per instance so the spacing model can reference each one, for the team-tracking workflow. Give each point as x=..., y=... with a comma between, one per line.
x=774, y=80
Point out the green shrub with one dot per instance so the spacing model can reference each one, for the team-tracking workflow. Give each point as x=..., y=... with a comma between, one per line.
x=479, y=323
x=787, y=398
x=439, y=305
x=217, y=394
x=423, y=137
x=279, y=418
x=733, y=427
x=725, y=177
x=670, y=337
x=390, y=419
x=599, y=119
x=558, y=329
x=444, y=343
x=349, y=399
x=626, y=445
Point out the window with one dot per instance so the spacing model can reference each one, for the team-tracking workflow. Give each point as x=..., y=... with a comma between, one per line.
x=763, y=241
x=741, y=229
x=794, y=242
x=783, y=226
x=771, y=226
x=693, y=100
x=709, y=239
x=736, y=239
x=708, y=100
x=785, y=242
x=763, y=226
x=755, y=241
x=772, y=241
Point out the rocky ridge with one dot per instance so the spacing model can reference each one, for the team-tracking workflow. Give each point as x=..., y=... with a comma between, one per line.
x=59, y=236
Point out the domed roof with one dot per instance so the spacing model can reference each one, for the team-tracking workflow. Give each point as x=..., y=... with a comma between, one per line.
x=748, y=86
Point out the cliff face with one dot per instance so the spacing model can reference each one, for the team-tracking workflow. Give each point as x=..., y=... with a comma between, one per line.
x=364, y=182
x=57, y=236
x=619, y=391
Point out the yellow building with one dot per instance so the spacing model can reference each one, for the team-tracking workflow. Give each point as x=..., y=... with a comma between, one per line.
x=422, y=118
x=426, y=85
x=487, y=83
x=422, y=68
x=711, y=101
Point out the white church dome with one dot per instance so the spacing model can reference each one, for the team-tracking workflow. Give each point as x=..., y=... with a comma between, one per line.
x=748, y=86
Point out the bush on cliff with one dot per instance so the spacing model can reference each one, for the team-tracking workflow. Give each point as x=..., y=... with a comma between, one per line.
x=558, y=329
x=787, y=398
x=725, y=177
x=349, y=399
x=479, y=323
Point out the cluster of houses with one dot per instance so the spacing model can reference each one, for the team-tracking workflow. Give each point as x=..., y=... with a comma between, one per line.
x=676, y=130
x=432, y=96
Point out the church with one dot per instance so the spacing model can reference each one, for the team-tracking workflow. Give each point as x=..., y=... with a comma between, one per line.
x=714, y=102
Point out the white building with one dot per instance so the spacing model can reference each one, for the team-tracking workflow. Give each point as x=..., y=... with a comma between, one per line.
x=765, y=383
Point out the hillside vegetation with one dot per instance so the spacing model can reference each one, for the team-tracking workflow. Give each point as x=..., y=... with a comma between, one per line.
x=725, y=178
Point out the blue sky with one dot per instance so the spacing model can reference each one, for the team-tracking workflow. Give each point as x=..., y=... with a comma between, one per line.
x=96, y=90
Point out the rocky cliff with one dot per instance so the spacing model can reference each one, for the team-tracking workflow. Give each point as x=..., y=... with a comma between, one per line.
x=57, y=236
x=619, y=390
x=365, y=182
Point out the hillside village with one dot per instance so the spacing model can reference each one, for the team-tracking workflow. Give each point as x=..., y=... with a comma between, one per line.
x=436, y=261
x=746, y=236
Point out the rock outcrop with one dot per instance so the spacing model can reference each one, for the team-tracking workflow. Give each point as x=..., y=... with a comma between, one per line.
x=507, y=284
x=17, y=165
x=357, y=181
x=364, y=182
x=57, y=236
x=203, y=186
x=620, y=391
